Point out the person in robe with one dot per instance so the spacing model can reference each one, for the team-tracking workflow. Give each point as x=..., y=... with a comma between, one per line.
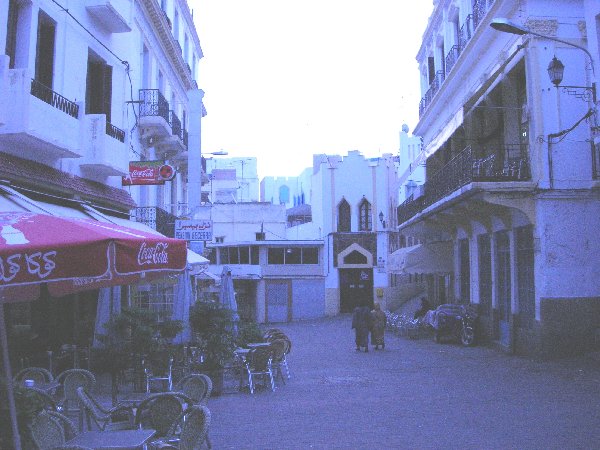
x=361, y=324
x=379, y=321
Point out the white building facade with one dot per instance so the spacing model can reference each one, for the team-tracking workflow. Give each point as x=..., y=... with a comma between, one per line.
x=87, y=87
x=512, y=176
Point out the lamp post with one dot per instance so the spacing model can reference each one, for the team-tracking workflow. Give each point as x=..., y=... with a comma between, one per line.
x=556, y=67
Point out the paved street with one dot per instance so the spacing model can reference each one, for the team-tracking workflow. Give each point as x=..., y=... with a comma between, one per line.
x=416, y=394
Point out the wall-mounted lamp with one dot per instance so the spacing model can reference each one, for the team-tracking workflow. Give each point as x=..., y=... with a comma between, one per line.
x=381, y=219
x=556, y=67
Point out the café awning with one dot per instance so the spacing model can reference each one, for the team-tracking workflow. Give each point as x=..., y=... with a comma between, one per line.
x=434, y=257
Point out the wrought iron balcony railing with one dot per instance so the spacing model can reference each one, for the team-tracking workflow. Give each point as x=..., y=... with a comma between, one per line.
x=175, y=124
x=511, y=163
x=156, y=218
x=153, y=103
x=114, y=132
x=47, y=95
x=472, y=21
x=451, y=57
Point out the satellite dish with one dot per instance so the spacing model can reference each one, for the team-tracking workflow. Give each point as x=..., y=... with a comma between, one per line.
x=405, y=128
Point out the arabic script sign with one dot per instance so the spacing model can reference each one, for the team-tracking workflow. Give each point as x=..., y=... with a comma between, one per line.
x=194, y=230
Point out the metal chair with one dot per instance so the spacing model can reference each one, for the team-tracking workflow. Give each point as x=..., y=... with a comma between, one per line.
x=119, y=417
x=152, y=377
x=279, y=346
x=37, y=374
x=160, y=411
x=197, y=386
x=193, y=426
x=259, y=364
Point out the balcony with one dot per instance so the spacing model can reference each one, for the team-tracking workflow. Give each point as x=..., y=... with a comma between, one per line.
x=154, y=114
x=507, y=165
x=156, y=218
x=105, y=152
x=113, y=15
x=172, y=145
x=466, y=32
x=38, y=122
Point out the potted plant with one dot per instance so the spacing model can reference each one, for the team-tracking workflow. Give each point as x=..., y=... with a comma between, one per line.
x=130, y=336
x=212, y=325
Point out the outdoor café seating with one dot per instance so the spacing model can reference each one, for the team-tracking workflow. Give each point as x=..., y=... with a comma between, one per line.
x=39, y=375
x=155, y=374
x=259, y=366
x=197, y=386
x=160, y=411
x=189, y=432
x=71, y=380
x=51, y=431
x=119, y=417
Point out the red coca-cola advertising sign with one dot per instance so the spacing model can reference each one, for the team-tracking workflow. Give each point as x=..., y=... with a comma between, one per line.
x=148, y=172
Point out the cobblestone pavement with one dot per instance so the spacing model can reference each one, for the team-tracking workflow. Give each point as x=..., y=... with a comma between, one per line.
x=416, y=395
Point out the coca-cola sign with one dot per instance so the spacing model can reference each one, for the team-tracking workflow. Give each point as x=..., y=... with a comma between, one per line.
x=153, y=255
x=148, y=172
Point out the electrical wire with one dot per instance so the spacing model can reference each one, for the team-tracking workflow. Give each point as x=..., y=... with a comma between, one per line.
x=125, y=63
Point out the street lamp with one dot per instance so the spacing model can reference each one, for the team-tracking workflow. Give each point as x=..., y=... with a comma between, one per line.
x=556, y=67
x=219, y=153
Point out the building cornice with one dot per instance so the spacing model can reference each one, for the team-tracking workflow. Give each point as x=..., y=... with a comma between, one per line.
x=159, y=21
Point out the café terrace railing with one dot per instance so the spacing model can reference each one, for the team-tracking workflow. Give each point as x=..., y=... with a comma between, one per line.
x=466, y=32
x=54, y=99
x=505, y=165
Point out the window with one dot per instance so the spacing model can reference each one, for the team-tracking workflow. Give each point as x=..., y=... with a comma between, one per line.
x=293, y=255
x=98, y=89
x=239, y=255
x=44, y=58
x=276, y=256
x=364, y=215
x=157, y=298
x=11, y=32
x=343, y=216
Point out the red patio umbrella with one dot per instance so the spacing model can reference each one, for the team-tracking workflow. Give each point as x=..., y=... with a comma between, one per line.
x=71, y=255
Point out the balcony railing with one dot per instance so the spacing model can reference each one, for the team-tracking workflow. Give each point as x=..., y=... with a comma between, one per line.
x=47, y=95
x=156, y=218
x=467, y=30
x=114, y=132
x=506, y=165
x=451, y=57
x=153, y=103
x=433, y=88
x=185, y=138
x=175, y=124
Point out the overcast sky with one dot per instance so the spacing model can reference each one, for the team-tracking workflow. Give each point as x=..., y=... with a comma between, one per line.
x=285, y=79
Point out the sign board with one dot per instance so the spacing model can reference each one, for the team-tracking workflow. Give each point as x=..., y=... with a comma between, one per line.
x=148, y=172
x=194, y=230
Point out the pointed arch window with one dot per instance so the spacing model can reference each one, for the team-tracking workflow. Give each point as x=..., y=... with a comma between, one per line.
x=343, y=217
x=364, y=216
